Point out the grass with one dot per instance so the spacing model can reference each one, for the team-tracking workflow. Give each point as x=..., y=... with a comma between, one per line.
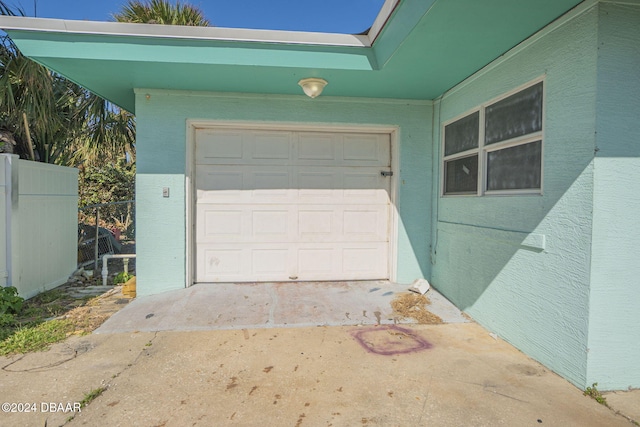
x=49, y=296
x=596, y=395
x=43, y=312
x=93, y=394
x=47, y=304
x=47, y=319
x=32, y=328
x=36, y=338
x=88, y=398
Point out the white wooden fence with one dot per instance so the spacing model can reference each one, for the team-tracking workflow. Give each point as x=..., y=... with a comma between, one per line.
x=38, y=224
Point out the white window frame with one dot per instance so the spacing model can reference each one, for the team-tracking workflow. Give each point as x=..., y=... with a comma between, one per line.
x=483, y=150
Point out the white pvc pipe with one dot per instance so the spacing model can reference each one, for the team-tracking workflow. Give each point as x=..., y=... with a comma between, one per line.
x=105, y=268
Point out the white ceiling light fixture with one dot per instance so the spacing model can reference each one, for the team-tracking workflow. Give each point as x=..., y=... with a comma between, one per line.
x=312, y=86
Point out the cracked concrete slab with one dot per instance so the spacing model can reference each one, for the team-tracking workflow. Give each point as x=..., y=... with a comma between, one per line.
x=64, y=374
x=374, y=374
x=386, y=375
x=258, y=305
x=626, y=403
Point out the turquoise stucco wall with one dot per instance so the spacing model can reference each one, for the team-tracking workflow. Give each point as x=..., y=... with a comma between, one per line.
x=554, y=274
x=614, y=326
x=520, y=265
x=161, y=150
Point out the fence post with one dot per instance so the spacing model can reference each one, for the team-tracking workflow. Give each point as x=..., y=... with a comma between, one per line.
x=12, y=218
x=95, y=253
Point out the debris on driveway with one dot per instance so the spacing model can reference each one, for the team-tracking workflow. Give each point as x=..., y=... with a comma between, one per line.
x=409, y=305
x=420, y=286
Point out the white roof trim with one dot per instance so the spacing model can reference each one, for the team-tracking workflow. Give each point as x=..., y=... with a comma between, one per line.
x=385, y=13
x=184, y=32
x=302, y=98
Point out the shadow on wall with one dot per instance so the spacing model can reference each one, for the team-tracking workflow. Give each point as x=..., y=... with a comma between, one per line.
x=520, y=265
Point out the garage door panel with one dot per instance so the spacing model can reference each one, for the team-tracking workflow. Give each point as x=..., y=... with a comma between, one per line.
x=316, y=179
x=214, y=263
x=342, y=185
x=340, y=224
x=321, y=148
x=274, y=147
x=245, y=223
x=292, y=206
x=317, y=185
x=364, y=261
x=216, y=224
x=366, y=149
x=271, y=262
x=346, y=261
x=268, y=184
x=221, y=225
x=219, y=147
x=365, y=224
x=272, y=225
x=318, y=262
x=226, y=184
x=319, y=224
x=363, y=180
x=214, y=181
x=239, y=263
x=278, y=223
x=273, y=186
x=274, y=180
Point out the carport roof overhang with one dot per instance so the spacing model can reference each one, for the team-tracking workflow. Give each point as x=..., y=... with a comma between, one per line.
x=420, y=49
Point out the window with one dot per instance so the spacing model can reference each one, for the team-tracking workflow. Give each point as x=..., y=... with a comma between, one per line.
x=496, y=149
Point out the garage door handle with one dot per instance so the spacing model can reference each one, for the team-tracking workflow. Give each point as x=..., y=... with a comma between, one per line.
x=293, y=277
x=386, y=173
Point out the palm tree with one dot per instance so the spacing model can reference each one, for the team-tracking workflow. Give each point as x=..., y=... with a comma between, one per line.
x=27, y=96
x=7, y=10
x=109, y=127
x=53, y=120
x=161, y=12
x=61, y=122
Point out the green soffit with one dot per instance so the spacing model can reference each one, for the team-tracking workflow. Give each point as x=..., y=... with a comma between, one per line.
x=425, y=48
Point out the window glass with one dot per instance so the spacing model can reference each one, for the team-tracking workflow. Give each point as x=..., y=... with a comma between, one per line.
x=462, y=135
x=509, y=155
x=461, y=175
x=517, y=115
x=515, y=168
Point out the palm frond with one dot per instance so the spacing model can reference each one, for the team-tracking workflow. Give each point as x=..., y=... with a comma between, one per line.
x=7, y=10
x=161, y=12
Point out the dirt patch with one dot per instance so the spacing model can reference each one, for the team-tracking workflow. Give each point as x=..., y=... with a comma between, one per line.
x=96, y=311
x=410, y=305
x=76, y=302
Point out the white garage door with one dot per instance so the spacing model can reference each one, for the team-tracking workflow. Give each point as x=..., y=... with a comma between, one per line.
x=278, y=206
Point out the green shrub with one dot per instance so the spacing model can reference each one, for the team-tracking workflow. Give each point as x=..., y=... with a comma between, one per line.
x=122, y=277
x=10, y=301
x=7, y=319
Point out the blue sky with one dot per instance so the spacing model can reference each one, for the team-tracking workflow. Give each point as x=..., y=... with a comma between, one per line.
x=338, y=16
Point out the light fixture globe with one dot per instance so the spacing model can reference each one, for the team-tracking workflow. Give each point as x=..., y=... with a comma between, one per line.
x=312, y=86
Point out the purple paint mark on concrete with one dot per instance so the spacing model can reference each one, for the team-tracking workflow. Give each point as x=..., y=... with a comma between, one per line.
x=389, y=340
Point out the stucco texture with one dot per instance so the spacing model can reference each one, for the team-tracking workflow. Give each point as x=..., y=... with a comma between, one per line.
x=614, y=321
x=161, y=162
x=535, y=296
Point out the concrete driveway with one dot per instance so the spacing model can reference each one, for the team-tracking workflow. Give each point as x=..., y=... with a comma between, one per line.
x=452, y=374
x=269, y=305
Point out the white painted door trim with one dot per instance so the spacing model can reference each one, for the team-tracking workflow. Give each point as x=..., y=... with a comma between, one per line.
x=193, y=125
